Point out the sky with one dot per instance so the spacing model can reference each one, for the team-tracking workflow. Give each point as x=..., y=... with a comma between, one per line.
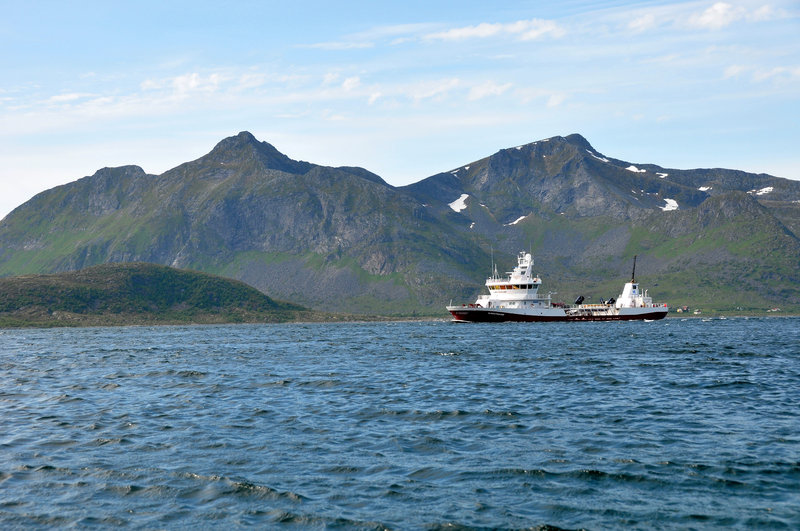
x=404, y=89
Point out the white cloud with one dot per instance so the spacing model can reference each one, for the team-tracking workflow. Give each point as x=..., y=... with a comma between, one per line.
x=187, y=83
x=489, y=88
x=468, y=32
x=432, y=89
x=151, y=84
x=66, y=98
x=718, y=16
x=523, y=29
x=686, y=15
x=722, y=14
x=642, y=23
x=766, y=12
x=251, y=81
x=351, y=83
x=184, y=84
x=332, y=116
x=759, y=75
x=554, y=100
x=342, y=45
x=393, y=34
x=777, y=73
x=734, y=71
x=541, y=28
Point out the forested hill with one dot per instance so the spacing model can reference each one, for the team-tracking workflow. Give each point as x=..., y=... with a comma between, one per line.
x=135, y=293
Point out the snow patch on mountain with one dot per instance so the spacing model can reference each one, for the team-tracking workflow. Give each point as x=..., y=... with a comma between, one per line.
x=635, y=169
x=459, y=204
x=671, y=205
x=455, y=172
x=517, y=220
x=762, y=191
x=598, y=157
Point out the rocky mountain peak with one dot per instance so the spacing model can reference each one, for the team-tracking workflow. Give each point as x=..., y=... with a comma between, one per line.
x=119, y=172
x=244, y=147
x=577, y=140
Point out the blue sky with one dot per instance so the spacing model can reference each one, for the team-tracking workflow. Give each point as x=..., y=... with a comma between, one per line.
x=405, y=90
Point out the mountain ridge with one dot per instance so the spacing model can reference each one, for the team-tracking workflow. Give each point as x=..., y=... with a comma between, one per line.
x=342, y=239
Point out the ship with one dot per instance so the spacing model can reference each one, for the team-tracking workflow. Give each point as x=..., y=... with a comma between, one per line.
x=515, y=297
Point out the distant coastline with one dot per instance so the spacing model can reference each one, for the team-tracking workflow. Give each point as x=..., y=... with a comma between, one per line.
x=143, y=294
x=137, y=294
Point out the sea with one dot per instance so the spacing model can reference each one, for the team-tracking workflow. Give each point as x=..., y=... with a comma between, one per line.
x=674, y=424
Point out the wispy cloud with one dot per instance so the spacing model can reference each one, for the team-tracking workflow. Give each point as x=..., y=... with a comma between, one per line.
x=391, y=34
x=552, y=98
x=188, y=83
x=432, y=89
x=643, y=22
x=782, y=73
x=718, y=16
x=70, y=97
x=682, y=15
x=522, y=29
x=339, y=45
x=777, y=74
x=734, y=71
x=489, y=88
x=184, y=84
x=722, y=14
x=351, y=83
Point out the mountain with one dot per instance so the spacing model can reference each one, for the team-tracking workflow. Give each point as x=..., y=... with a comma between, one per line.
x=135, y=293
x=713, y=237
x=342, y=239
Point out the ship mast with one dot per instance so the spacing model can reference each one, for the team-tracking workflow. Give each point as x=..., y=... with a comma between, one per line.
x=633, y=273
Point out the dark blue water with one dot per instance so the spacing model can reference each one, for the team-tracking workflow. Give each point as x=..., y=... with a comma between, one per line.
x=672, y=424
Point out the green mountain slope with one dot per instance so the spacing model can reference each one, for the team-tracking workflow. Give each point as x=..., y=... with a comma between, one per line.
x=342, y=239
x=713, y=238
x=135, y=293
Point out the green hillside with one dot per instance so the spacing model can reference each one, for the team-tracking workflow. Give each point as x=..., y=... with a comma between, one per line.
x=343, y=240
x=136, y=294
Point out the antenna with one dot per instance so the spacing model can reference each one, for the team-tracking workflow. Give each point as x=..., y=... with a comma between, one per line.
x=633, y=273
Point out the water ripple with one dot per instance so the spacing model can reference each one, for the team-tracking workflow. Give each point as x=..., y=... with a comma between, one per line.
x=673, y=424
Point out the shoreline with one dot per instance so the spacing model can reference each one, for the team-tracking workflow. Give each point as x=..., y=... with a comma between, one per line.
x=120, y=321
